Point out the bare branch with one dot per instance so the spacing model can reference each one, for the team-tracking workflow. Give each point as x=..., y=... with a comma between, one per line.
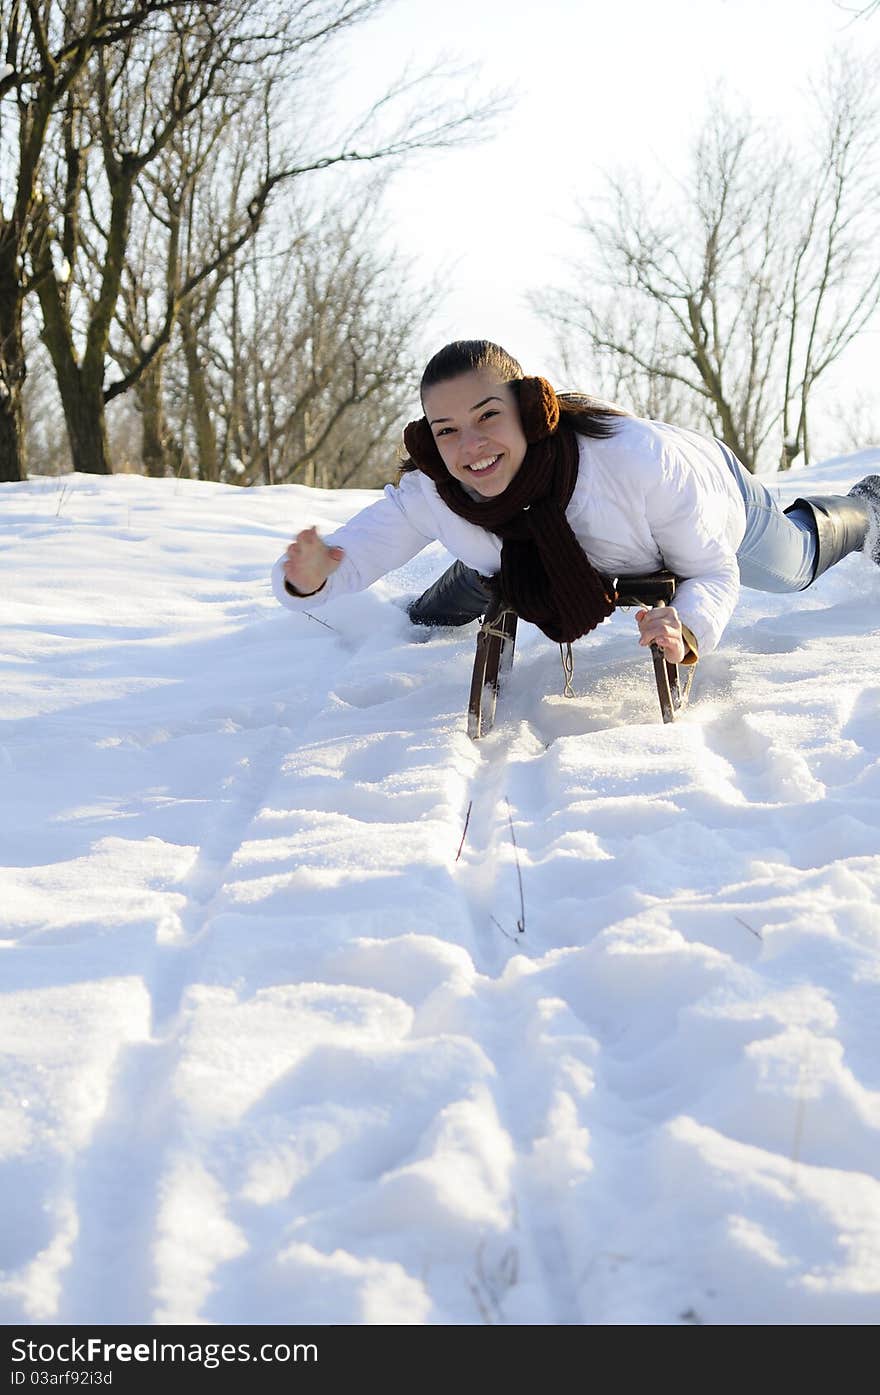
x=730, y=304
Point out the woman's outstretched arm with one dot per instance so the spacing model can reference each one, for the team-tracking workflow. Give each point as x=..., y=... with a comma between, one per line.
x=380, y=538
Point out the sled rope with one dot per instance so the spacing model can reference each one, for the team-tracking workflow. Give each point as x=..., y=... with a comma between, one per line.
x=488, y=627
x=567, y=657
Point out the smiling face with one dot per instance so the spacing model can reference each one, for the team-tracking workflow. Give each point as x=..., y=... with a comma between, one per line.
x=474, y=419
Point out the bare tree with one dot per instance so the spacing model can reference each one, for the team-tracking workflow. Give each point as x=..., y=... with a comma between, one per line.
x=118, y=120
x=112, y=96
x=726, y=307
x=45, y=49
x=300, y=368
x=164, y=271
x=834, y=271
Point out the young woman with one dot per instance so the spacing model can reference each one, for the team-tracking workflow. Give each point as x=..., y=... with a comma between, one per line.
x=545, y=499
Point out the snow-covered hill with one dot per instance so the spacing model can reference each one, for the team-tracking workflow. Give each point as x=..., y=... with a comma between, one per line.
x=273, y=1048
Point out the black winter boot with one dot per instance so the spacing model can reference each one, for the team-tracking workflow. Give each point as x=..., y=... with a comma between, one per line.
x=841, y=523
x=456, y=598
x=868, y=490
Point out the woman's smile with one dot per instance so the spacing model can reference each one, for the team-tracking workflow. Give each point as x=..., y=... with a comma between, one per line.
x=481, y=467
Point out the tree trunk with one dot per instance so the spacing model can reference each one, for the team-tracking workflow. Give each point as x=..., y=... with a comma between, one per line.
x=81, y=389
x=12, y=374
x=86, y=427
x=12, y=465
x=154, y=450
x=789, y=454
x=206, y=436
x=82, y=400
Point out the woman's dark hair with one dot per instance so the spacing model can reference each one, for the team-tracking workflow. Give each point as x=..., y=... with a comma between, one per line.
x=466, y=355
x=588, y=416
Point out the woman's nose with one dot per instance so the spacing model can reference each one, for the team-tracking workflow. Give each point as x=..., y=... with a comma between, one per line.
x=471, y=437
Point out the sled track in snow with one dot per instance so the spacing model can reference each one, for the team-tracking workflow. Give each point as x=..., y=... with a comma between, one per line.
x=114, y=1219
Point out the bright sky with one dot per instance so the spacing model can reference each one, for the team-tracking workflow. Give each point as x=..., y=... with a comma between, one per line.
x=596, y=85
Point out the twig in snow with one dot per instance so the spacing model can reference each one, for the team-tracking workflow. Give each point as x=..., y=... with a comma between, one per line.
x=757, y=934
x=521, y=923
x=61, y=495
x=506, y=933
x=494, y=1286
x=310, y=616
x=464, y=834
x=481, y=1306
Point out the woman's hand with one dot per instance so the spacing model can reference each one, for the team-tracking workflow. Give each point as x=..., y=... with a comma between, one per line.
x=662, y=626
x=310, y=562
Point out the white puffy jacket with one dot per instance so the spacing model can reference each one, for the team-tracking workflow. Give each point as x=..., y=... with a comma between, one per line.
x=650, y=496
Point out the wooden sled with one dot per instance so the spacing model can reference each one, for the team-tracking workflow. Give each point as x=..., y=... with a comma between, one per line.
x=496, y=641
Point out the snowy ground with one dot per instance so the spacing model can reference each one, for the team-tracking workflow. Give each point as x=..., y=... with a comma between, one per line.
x=273, y=1053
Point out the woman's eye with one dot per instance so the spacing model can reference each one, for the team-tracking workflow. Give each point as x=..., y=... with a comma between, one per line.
x=444, y=430
x=492, y=412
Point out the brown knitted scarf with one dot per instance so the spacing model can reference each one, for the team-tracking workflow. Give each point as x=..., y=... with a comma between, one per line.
x=545, y=574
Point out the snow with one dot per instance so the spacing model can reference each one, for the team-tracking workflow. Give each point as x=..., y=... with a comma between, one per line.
x=274, y=1052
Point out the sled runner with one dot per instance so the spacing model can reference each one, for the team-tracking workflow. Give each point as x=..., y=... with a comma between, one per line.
x=497, y=638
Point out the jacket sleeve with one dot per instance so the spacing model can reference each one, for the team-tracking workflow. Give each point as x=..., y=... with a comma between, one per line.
x=688, y=522
x=379, y=538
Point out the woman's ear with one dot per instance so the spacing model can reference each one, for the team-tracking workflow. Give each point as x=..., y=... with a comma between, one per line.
x=421, y=447
x=538, y=408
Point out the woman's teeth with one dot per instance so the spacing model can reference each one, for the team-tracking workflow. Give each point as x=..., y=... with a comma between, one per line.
x=480, y=465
